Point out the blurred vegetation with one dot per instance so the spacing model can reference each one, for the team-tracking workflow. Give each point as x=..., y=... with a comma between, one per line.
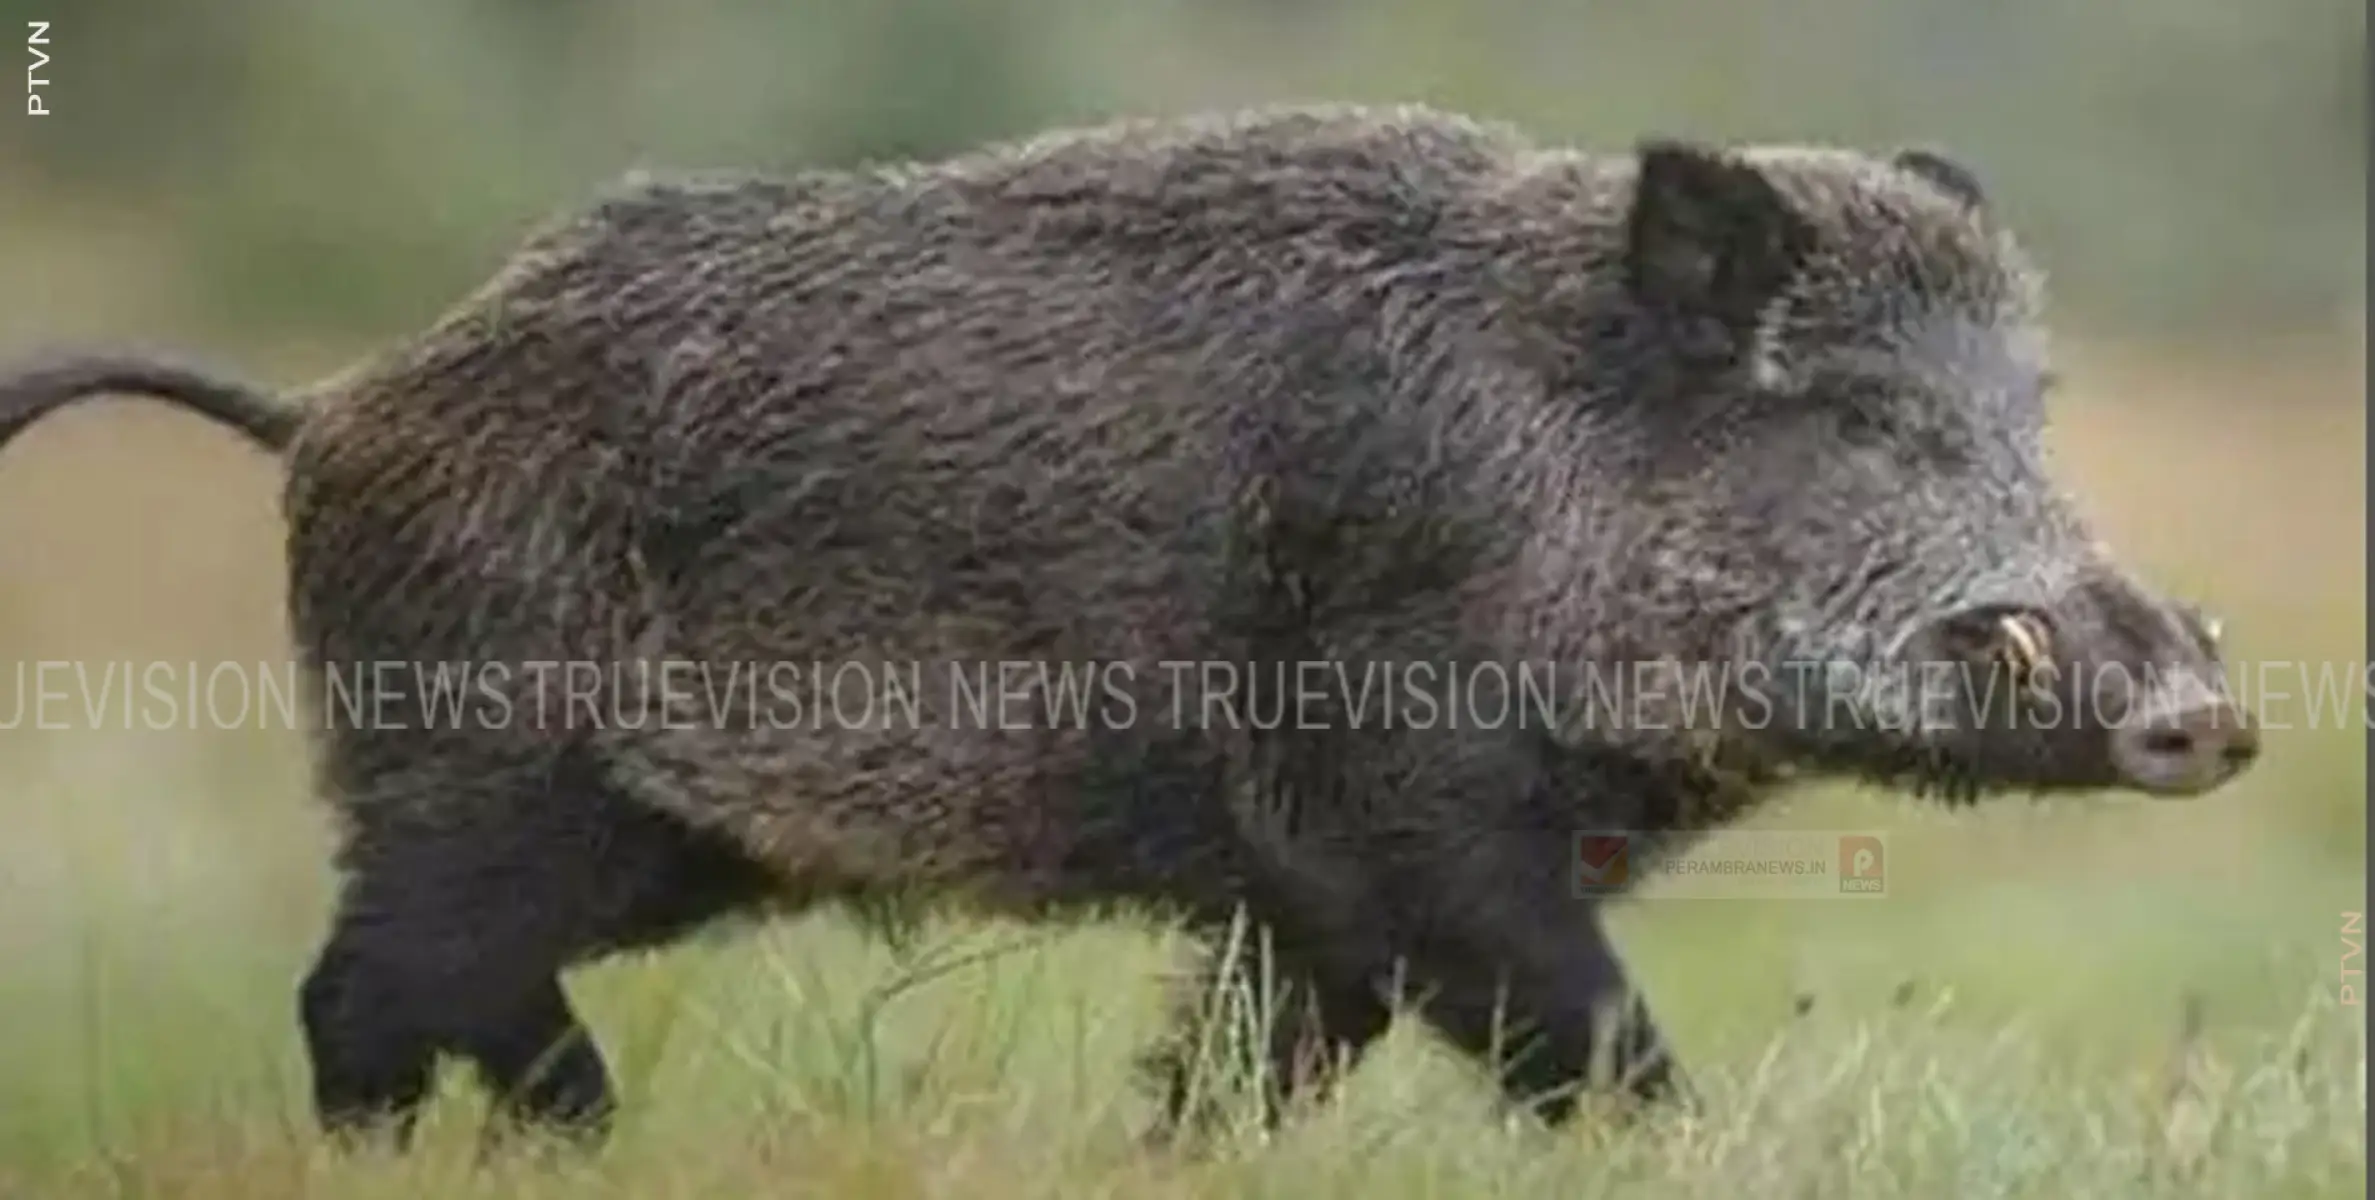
x=344, y=166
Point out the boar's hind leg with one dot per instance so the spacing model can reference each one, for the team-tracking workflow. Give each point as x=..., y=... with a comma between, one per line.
x=465, y=896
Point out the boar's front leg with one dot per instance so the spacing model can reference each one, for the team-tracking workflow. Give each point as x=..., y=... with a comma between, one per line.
x=1546, y=1001
x=1310, y=1024
x=1511, y=964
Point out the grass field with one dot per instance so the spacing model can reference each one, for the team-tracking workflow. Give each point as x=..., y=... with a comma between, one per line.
x=2012, y=1021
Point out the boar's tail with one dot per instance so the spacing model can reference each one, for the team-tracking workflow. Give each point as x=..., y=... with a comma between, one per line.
x=32, y=390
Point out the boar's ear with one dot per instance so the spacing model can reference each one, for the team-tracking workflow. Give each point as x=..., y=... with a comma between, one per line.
x=1943, y=173
x=1709, y=236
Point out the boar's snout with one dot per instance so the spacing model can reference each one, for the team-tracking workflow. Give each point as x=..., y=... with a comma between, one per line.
x=2174, y=728
x=2185, y=749
x=2108, y=687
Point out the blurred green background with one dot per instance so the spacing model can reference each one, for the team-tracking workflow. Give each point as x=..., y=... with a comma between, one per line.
x=279, y=185
x=344, y=164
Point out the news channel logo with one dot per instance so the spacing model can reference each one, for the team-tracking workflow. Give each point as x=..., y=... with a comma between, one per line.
x=1760, y=865
x=1603, y=863
x=1863, y=865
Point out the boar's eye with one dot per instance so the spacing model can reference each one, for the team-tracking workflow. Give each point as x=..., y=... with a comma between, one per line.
x=1864, y=417
x=1860, y=425
x=1874, y=418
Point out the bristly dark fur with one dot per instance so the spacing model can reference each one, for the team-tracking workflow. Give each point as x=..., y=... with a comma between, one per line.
x=1343, y=385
